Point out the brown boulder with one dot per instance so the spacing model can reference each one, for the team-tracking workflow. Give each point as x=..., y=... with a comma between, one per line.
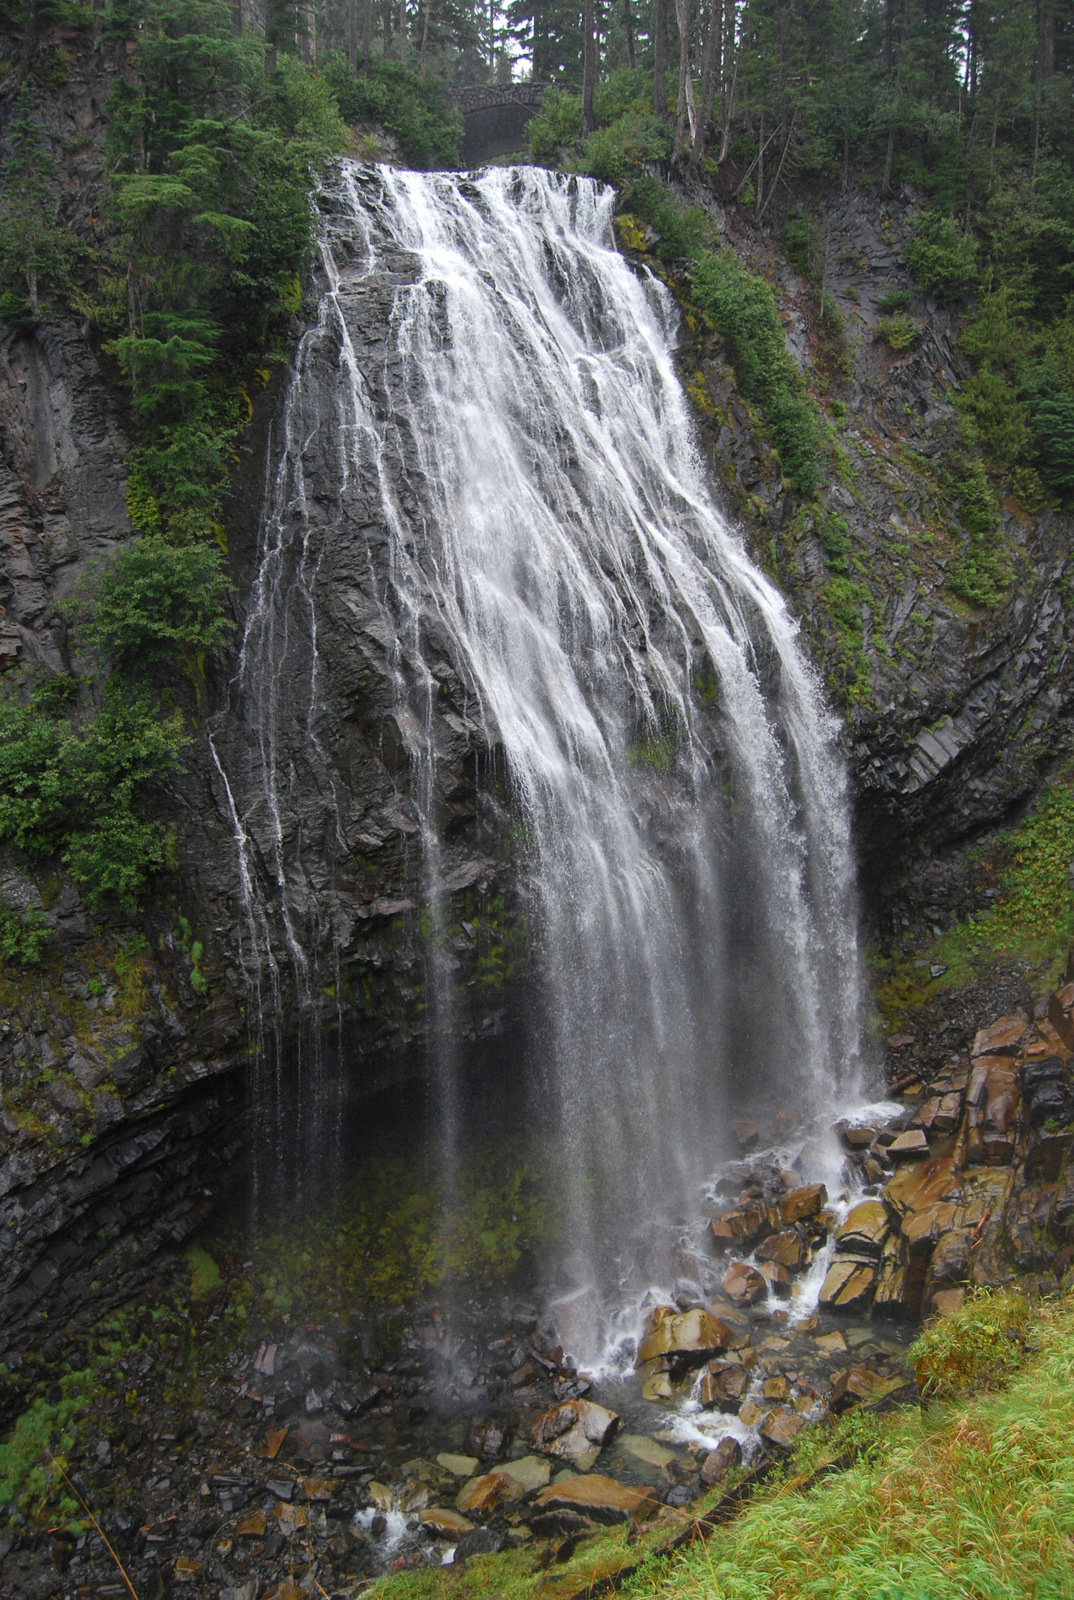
x=743, y=1283
x=775, y=1274
x=741, y=1228
x=802, y=1203
x=908, y=1145
x=443, y=1523
x=865, y=1229
x=1004, y=1037
x=718, y=1463
x=848, y=1285
x=577, y=1430
x=598, y=1499
x=780, y=1429
x=685, y=1338
x=786, y=1248
x=724, y=1384
x=483, y=1497
x=857, y=1386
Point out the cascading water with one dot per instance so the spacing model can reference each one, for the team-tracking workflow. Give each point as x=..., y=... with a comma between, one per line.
x=545, y=524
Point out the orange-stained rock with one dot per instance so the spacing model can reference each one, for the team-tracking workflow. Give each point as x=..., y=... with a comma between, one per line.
x=865, y=1229
x=724, y=1384
x=599, y=1499
x=443, y=1523
x=785, y=1247
x=742, y=1283
x=483, y=1497
x=848, y=1285
x=1004, y=1037
x=718, y=1463
x=687, y=1338
x=908, y=1145
x=1061, y=1014
x=781, y=1427
x=251, y=1526
x=577, y=1430
x=802, y=1203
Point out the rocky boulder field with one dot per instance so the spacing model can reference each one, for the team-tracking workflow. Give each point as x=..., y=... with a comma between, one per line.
x=270, y=1456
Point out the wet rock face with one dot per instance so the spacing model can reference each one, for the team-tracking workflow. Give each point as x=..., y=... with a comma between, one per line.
x=953, y=715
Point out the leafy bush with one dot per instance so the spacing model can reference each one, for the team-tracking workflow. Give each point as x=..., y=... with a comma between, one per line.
x=941, y=257
x=742, y=308
x=896, y=300
x=22, y=938
x=898, y=333
x=680, y=228
x=975, y=1347
x=156, y=600
x=555, y=128
x=74, y=783
x=798, y=240
x=1052, y=417
x=393, y=95
x=616, y=153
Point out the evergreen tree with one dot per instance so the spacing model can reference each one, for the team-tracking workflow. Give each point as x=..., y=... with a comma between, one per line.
x=34, y=247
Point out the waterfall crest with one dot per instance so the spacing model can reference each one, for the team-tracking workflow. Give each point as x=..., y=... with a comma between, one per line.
x=546, y=527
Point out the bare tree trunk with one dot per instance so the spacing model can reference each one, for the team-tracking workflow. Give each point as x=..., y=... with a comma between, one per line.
x=352, y=35
x=709, y=64
x=686, y=83
x=760, y=166
x=589, y=65
x=628, y=27
x=889, y=156
x=774, y=185
x=660, y=58
x=402, y=30
x=367, y=33
x=29, y=40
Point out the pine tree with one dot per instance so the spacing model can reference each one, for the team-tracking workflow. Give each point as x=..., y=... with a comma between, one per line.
x=33, y=245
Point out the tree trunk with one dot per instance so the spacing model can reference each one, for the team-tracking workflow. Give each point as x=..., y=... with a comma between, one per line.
x=709, y=66
x=660, y=58
x=686, y=83
x=889, y=156
x=402, y=30
x=589, y=66
x=352, y=35
x=628, y=28
x=367, y=33
x=29, y=40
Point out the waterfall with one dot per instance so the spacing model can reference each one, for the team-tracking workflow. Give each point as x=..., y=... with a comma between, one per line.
x=544, y=550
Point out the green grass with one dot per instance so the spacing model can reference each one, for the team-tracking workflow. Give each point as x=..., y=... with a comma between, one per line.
x=1032, y=920
x=973, y=1501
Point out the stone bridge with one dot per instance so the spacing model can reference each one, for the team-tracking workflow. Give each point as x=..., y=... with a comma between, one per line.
x=493, y=118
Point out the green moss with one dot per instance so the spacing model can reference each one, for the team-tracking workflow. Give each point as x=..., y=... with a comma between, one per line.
x=205, y=1278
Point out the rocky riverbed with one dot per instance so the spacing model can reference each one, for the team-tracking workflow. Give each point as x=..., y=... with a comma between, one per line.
x=215, y=1440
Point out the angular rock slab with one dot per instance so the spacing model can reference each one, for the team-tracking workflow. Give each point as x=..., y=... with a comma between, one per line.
x=576, y=1430
x=686, y=1338
x=801, y=1204
x=780, y=1429
x=599, y=1499
x=484, y=1496
x=743, y=1283
x=865, y=1229
x=718, y=1463
x=848, y=1285
x=443, y=1523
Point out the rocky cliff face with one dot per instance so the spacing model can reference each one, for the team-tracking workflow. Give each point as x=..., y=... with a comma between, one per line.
x=122, y=1106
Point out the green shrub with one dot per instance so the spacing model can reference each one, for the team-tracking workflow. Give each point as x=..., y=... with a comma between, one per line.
x=975, y=1347
x=22, y=938
x=742, y=308
x=680, y=228
x=156, y=600
x=798, y=240
x=898, y=333
x=396, y=97
x=834, y=537
x=555, y=128
x=616, y=153
x=941, y=257
x=896, y=300
x=74, y=781
x=1052, y=416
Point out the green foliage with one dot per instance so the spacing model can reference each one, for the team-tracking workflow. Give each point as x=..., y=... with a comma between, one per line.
x=680, y=228
x=22, y=938
x=895, y=301
x=555, y=129
x=35, y=249
x=898, y=333
x=205, y=1276
x=74, y=783
x=395, y=97
x=26, y=1475
x=974, y=1348
x=799, y=243
x=834, y=537
x=980, y=575
x=742, y=308
x=157, y=600
x=941, y=256
x=1052, y=419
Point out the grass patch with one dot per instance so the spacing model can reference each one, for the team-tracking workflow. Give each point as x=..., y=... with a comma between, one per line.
x=974, y=1349
x=965, y=1501
x=1032, y=920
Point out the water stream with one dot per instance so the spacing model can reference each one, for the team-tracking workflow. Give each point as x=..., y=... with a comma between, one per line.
x=546, y=524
